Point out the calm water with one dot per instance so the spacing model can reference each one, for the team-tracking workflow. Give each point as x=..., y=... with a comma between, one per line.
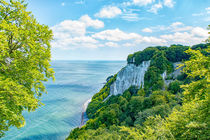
x=76, y=82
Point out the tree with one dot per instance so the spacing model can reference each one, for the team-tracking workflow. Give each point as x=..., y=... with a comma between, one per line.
x=24, y=62
x=174, y=87
x=191, y=120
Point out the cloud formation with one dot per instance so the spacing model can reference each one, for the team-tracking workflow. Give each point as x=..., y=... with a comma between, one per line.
x=154, y=9
x=147, y=30
x=73, y=34
x=109, y=12
x=142, y=2
x=62, y=4
x=208, y=10
x=130, y=16
x=91, y=23
x=169, y=3
x=115, y=35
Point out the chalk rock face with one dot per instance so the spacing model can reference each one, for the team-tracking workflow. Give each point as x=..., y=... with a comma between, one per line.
x=164, y=75
x=174, y=74
x=128, y=76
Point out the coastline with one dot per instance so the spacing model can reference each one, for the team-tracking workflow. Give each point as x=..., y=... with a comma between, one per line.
x=84, y=117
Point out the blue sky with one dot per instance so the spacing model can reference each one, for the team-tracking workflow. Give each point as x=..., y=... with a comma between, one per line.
x=112, y=29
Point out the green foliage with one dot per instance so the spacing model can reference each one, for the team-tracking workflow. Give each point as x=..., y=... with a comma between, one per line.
x=155, y=128
x=160, y=62
x=141, y=56
x=174, y=87
x=111, y=133
x=176, y=53
x=153, y=79
x=161, y=110
x=174, y=112
x=191, y=120
x=135, y=105
x=24, y=62
x=202, y=48
x=110, y=115
x=198, y=66
x=158, y=65
x=141, y=92
x=97, y=99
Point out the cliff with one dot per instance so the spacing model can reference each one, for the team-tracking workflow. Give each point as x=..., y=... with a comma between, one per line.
x=130, y=75
x=149, y=85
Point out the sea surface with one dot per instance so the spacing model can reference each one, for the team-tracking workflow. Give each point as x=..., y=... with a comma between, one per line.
x=76, y=82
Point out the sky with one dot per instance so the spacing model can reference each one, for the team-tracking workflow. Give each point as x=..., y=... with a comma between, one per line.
x=113, y=29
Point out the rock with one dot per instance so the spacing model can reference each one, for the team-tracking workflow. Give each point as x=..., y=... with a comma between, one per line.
x=174, y=74
x=128, y=76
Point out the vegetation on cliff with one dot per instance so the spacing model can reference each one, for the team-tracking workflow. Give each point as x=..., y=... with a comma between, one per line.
x=156, y=111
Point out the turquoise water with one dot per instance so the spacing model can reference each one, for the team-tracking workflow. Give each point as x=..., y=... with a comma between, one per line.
x=76, y=82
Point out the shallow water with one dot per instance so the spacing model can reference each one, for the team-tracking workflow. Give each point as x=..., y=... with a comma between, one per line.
x=76, y=82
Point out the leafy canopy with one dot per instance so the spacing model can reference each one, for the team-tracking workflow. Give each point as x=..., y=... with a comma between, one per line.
x=180, y=110
x=24, y=62
x=191, y=120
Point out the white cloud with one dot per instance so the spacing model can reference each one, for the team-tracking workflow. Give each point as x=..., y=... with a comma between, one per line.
x=175, y=24
x=111, y=44
x=179, y=26
x=152, y=40
x=198, y=14
x=153, y=5
x=169, y=3
x=194, y=36
x=75, y=42
x=72, y=33
x=154, y=9
x=142, y=2
x=128, y=44
x=109, y=12
x=207, y=19
x=208, y=10
x=80, y=2
x=127, y=39
x=115, y=35
x=174, y=27
x=184, y=28
x=200, y=32
x=69, y=28
x=62, y=4
x=178, y=37
x=147, y=30
x=91, y=23
x=130, y=16
x=125, y=4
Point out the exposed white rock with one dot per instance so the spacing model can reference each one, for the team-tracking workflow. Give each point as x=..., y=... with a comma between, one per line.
x=173, y=74
x=164, y=75
x=128, y=76
x=176, y=70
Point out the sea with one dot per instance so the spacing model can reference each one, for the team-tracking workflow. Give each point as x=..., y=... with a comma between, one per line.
x=76, y=82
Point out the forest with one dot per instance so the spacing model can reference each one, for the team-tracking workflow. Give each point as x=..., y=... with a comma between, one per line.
x=156, y=110
x=179, y=110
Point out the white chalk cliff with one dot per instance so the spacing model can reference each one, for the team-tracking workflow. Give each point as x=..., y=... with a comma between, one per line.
x=128, y=76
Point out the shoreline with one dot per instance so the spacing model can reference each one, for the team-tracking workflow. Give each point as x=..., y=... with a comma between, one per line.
x=84, y=117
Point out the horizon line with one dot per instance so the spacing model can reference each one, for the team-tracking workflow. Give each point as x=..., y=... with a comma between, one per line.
x=85, y=60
